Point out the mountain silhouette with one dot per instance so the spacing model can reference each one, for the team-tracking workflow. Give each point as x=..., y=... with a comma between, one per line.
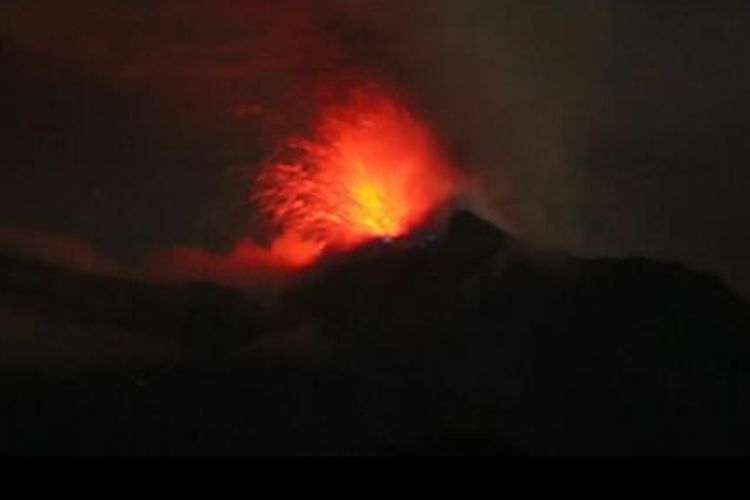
x=464, y=342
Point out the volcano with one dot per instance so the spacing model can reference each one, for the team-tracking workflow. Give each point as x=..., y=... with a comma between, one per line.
x=371, y=170
x=463, y=342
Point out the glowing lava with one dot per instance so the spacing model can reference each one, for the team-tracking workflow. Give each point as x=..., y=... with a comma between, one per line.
x=371, y=170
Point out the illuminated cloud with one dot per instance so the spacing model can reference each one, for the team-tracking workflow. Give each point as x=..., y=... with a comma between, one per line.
x=60, y=249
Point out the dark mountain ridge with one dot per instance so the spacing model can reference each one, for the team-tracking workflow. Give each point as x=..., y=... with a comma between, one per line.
x=460, y=343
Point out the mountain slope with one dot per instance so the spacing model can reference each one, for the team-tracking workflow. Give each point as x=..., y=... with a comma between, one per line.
x=463, y=343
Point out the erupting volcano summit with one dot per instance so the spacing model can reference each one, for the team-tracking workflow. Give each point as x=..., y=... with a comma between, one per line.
x=371, y=169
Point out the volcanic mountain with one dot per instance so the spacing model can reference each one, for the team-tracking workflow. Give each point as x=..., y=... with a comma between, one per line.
x=463, y=342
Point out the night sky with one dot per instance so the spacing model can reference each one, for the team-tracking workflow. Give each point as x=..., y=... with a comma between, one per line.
x=601, y=127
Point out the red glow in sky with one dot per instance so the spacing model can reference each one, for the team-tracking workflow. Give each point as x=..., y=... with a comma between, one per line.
x=370, y=170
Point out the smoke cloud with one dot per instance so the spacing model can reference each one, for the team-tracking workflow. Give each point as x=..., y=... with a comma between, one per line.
x=247, y=266
x=602, y=127
x=60, y=249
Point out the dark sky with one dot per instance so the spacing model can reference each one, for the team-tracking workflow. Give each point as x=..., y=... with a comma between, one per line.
x=598, y=126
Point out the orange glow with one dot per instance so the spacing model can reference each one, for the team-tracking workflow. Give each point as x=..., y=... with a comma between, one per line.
x=371, y=170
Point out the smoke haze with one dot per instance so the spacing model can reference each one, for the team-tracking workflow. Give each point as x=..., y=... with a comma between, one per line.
x=601, y=127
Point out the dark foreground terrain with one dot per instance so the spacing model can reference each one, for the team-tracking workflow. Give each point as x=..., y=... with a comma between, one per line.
x=464, y=344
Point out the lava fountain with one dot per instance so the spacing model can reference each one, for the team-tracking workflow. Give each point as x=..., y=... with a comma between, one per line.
x=370, y=170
